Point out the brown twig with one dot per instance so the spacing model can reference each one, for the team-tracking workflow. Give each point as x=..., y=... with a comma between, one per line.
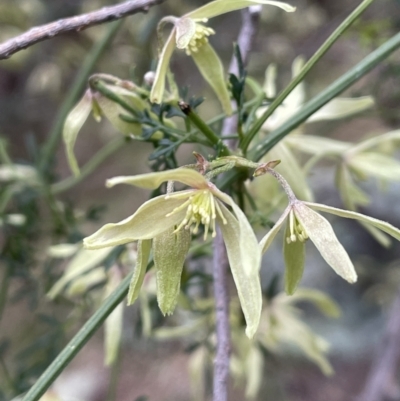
x=220, y=259
x=77, y=23
x=384, y=366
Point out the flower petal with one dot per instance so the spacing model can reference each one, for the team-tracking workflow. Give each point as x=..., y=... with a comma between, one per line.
x=143, y=253
x=211, y=68
x=244, y=273
x=322, y=235
x=294, y=254
x=149, y=221
x=382, y=225
x=267, y=239
x=158, y=88
x=170, y=250
x=153, y=180
x=219, y=7
x=342, y=107
x=73, y=123
x=316, y=145
x=185, y=29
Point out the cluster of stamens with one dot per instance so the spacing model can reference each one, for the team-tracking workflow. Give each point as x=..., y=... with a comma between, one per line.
x=297, y=231
x=201, y=208
x=199, y=38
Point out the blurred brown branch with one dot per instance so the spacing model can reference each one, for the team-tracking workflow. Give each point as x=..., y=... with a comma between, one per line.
x=77, y=23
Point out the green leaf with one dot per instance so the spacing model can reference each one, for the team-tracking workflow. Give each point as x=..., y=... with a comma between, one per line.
x=219, y=7
x=212, y=70
x=143, y=253
x=244, y=273
x=149, y=221
x=73, y=124
x=170, y=250
x=294, y=255
x=153, y=180
x=322, y=235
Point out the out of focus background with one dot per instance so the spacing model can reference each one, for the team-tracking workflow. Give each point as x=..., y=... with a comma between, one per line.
x=33, y=87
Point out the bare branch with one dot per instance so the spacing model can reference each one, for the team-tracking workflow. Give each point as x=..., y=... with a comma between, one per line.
x=78, y=23
x=383, y=369
x=223, y=348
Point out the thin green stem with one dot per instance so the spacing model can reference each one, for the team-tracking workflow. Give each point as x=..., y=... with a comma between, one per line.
x=5, y=281
x=90, y=166
x=305, y=70
x=76, y=344
x=204, y=128
x=337, y=87
x=49, y=148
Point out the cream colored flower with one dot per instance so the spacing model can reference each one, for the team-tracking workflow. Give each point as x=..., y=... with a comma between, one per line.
x=169, y=219
x=190, y=34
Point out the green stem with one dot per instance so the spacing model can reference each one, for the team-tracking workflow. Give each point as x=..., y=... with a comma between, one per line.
x=49, y=148
x=337, y=87
x=204, y=128
x=79, y=340
x=99, y=86
x=307, y=67
x=341, y=84
x=4, y=288
x=90, y=166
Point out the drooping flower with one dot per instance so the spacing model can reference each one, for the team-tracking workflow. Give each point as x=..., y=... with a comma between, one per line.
x=190, y=34
x=168, y=219
x=303, y=223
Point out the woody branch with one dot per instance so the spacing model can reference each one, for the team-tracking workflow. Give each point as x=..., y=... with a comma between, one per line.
x=77, y=23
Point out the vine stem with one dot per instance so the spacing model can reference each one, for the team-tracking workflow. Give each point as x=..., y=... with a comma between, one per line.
x=76, y=23
x=79, y=340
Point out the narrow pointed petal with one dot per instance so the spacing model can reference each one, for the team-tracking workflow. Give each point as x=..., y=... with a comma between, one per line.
x=294, y=255
x=342, y=107
x=322, y=235
x=315, y=145
x=270, y=81
x=170, y=250
x=143, y=253
x=149, y=221
x=153, y=180
x=113, y=111
x=246, y=277
x=375, y=165
x=185, y=29
x=80, y=264
x=157, y=91
x=73, y=124
x=382, y=225
x=322, y=301
x=219, y=7
x=248, y=240
x=267, y=239
x=211, y=68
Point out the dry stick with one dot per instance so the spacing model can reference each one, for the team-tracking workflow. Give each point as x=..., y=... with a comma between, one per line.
x=78, y=23
x=220, y=259
x=385, y=364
